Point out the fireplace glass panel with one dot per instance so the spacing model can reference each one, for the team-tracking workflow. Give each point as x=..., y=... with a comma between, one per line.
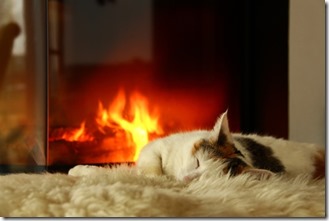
x=123, y=73
x=22, y=87
x=94, y=81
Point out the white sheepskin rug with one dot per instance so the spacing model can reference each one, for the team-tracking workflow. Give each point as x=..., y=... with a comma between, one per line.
x=90, y=191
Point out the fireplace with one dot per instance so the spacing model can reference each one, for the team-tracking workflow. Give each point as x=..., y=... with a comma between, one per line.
x=122, y=73
x=171, y=77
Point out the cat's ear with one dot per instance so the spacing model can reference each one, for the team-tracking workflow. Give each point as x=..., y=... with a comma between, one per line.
x=221, y=131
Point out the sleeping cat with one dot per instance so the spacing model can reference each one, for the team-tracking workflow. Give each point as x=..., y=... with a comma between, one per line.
x=183, y=155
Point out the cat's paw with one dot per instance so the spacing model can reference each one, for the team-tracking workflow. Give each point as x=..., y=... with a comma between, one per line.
x=149, y=171
x=83, y=170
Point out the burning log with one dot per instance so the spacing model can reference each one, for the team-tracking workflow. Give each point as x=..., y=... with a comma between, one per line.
x=120, y=134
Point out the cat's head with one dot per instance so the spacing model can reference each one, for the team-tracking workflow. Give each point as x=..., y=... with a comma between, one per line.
x=220, y=145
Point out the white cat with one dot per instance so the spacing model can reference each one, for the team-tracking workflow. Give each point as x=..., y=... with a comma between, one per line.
x=183, y=155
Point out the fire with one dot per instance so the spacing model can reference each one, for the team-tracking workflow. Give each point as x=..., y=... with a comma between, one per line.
x=138, y=128
x=77, y=134
x=123, y=125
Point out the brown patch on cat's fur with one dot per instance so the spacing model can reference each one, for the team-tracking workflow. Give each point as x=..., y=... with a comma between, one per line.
x=228, y=152
x=320, y=165
x=236, y=166
x=196, y=146
x=226, y=148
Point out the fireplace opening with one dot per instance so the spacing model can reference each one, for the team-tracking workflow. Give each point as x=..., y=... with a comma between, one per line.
x=169, y=70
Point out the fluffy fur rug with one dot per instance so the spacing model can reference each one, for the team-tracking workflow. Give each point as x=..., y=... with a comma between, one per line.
x=90, y=191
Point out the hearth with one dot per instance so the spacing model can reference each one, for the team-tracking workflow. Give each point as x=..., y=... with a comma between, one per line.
x=122, y=73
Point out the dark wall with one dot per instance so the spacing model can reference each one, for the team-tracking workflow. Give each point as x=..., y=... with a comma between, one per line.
x=264, y=106
x=241, y=45
x=197, y=44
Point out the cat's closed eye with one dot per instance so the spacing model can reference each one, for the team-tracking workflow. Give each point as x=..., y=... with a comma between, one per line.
x=197, y=163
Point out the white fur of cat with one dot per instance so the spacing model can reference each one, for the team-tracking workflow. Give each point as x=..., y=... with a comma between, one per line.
x=183, y=155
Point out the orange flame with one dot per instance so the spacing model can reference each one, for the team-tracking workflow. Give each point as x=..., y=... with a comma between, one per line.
x=139, y=128
x=77, y=134
x=126, y=127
